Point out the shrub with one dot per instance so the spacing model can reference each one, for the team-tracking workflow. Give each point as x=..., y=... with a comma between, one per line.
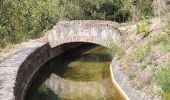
x=21, y=20
x=42, y=89
x=138, y=8
x=113, y=50
x=120, y=53
x=142, y=29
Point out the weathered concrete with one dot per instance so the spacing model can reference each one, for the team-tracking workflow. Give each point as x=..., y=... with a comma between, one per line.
x=121, y=81
x=18, y=70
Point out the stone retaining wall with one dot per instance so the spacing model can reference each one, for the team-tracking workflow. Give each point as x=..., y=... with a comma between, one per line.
x=121, y=81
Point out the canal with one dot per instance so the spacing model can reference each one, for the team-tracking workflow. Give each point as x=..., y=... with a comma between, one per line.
x=79, y=74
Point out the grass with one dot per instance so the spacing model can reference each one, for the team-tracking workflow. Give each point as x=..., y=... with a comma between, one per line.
x=166, y=96
x=130, y=75
x=164, y=39
x=162, y=78
x=160, y=38
x=167, y=47
x=143, y=65
x=141, y=53
x=167, y=31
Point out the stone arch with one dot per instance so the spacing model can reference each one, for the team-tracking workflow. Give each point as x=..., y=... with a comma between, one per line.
x=98, y=32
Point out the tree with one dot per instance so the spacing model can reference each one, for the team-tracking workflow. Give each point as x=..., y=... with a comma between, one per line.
x=138, y=8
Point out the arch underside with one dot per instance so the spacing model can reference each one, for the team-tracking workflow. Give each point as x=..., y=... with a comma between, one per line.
x=98, y=41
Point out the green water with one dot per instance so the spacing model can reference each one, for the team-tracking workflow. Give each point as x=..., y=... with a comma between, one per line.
x=83, y=73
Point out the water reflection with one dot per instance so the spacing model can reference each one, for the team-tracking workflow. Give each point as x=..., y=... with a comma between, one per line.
x=80, y=74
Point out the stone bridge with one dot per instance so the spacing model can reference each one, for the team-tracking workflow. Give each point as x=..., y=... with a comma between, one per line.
x=18, y=71
x=97, y=32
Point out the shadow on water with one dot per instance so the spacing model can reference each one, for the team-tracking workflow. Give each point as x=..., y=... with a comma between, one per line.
x=84, y=63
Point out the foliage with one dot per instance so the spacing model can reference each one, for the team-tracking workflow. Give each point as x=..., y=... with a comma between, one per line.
x=93, y=9
x=42, y=89
x=166, y=96
x=167, y=37
x=160, y=38
x=115, y=51
x=167, y=46
x=163, y=78
x=112, y=50
x=143, y=7
x=142, y=29
x=120, y=53
x=144, y=63
x=21, y=20
x=141, y=53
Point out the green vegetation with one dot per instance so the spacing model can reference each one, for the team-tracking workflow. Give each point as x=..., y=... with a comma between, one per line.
x=130, y=74
x=167, y=37
x=42, y=89
x=141, y=53
x=144, y=63
x=167, y=46
x=163, y=79
x=29, y=19
x=115, y=51
x=112, y=50
x=139, y=9
x=160, y=38
x=142, y=29
x=21, y=20
x=166, y=96
x=92, y=10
